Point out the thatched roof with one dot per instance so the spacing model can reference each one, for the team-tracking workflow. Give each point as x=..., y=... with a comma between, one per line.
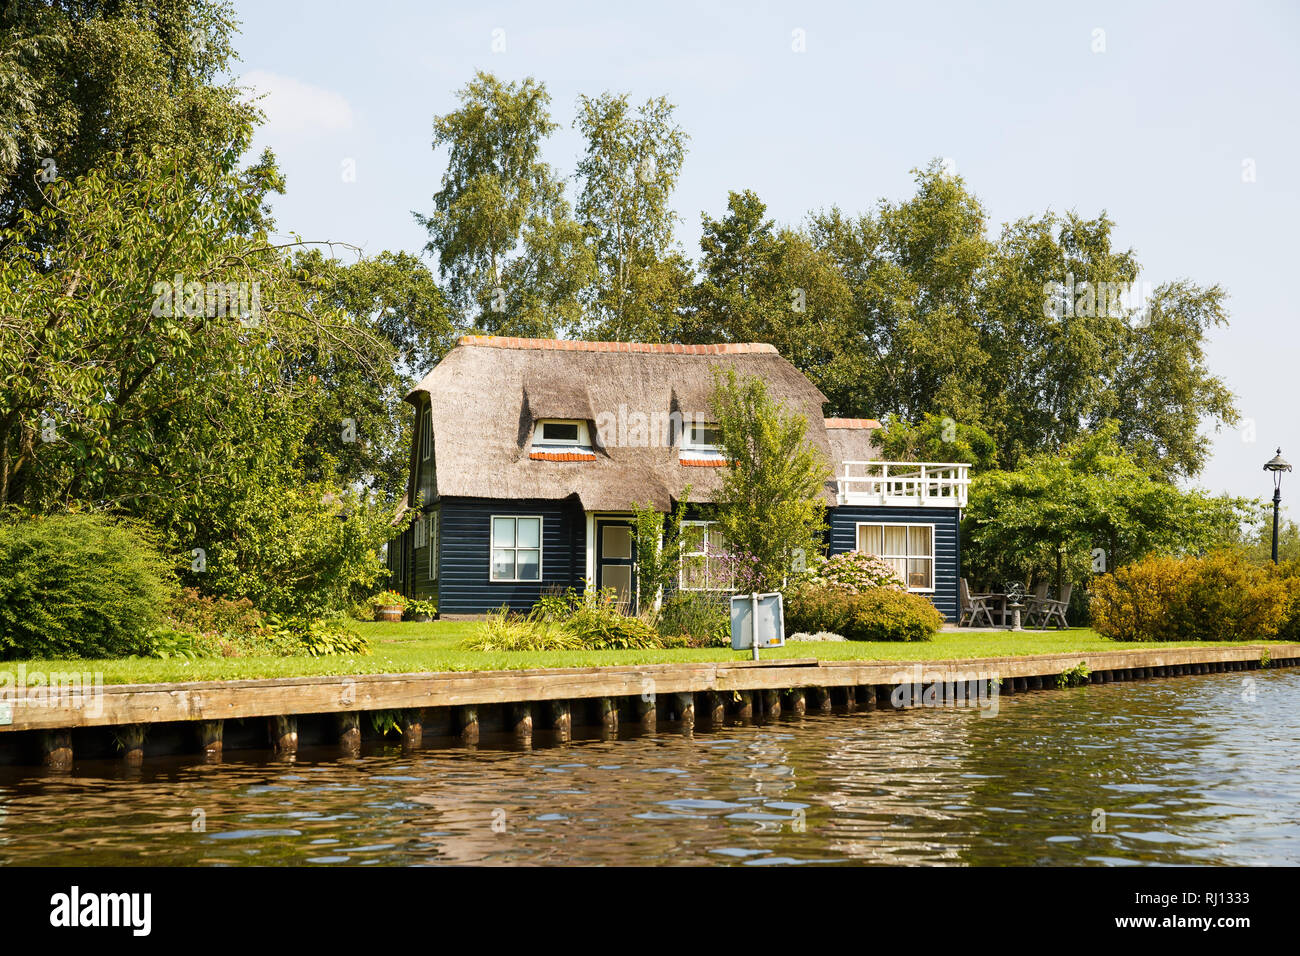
x=850, y=440
x=488, y=393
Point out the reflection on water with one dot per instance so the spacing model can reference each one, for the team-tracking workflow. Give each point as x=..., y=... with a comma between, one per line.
x=1186, y=770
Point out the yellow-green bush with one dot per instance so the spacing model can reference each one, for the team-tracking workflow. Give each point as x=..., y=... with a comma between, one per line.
x=874, y=614
x=1220, y=597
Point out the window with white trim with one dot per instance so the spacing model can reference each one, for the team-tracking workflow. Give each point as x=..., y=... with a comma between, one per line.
x=907, y=548
x=704, y=438
x=426, y=434
x=560, y=435
x=516, y=548
x=419, y=531
x=701, y=565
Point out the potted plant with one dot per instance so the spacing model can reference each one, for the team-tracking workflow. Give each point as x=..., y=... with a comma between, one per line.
x=388, y=606
x=421, y=610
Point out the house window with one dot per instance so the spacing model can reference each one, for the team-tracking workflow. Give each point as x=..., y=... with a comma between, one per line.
x=433, y=546
x=702, y=437
x=419, y=531
x=907, y=548
x=701, y=564
x=560, y=435
x=426, y=434
x=516, y=549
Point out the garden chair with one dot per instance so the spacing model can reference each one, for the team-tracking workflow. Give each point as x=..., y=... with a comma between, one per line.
x=972, y=607
x=1055, y=610
x=1035, y=606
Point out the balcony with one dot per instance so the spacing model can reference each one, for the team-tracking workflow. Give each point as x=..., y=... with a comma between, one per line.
x=903, y=484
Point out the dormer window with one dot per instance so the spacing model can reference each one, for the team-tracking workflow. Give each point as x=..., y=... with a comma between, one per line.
x=562, y=440
x=702, y=444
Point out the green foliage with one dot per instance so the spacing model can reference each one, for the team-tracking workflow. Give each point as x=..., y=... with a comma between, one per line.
x=628, y=173
x=701, y=618
x=321, y=636
x=1219, y=597
x=1051, y=513
x=659, y=541
x=936, y=438
x=503, y=630
x=388, y=599
x=876, y=614
x=1074, y=676
x=80, y=585
x=851, y=572
x=418, y=608
x=385, y=722
x=565, y=621
x=82, y=81
x=512, y=256
x=770, y=504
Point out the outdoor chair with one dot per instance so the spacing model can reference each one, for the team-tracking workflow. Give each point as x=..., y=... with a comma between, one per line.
x=1035, y=606
x=1049, y=611
x=973, y=606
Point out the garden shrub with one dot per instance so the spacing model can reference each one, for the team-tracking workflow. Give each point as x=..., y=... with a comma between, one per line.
x=702, y=618
x=876, y=614
x=562, y=621
x=503, y=630
x=321, y=636
x=1219, y=597
x=80, y=585
x=852, y=572
x=212, y=614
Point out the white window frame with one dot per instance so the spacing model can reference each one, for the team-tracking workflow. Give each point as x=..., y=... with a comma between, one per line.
x=583, y=443
x=541, y=549
x=432, y=544
x=932, y=557
x=681, y=559
x=690, y=444
x=426, y=433
x=419, y=531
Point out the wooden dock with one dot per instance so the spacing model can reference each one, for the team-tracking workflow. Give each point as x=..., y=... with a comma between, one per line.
x=168, y=718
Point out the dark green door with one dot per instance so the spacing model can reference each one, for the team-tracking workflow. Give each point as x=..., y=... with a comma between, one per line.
x=616, y=560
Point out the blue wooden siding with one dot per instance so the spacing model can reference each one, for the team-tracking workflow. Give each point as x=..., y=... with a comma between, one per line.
x=843, y=522
x=465, y=543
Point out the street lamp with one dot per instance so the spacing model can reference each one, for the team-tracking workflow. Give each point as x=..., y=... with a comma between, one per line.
x=1276, y=465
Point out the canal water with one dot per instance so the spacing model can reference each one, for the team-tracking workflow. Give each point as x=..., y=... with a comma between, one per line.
x=1184, y=770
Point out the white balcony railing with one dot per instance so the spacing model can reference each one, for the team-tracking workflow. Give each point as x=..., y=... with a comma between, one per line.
x=903, y=484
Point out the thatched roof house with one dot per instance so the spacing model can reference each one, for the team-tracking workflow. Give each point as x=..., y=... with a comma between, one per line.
x=488, y=396
x=529, y=455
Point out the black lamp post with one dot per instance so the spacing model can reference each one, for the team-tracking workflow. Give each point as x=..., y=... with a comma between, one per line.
x=1276, y=465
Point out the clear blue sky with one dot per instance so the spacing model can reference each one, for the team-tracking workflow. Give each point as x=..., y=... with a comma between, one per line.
x=1154, y=130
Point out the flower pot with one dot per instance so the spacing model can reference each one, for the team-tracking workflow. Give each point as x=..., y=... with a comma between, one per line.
x=421, y=618
x=388, y=612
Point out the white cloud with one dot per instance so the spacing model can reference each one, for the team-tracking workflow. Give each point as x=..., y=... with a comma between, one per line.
x=295, y=108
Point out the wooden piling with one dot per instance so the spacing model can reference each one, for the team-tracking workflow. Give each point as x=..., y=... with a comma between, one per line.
x=562, y=720
x=821, y=700
x=350, y=733
x=686, y=711
x=284, y=735
x=865, y=697
x=745, y=706
x=131, y=737
x=56, y=747
x=717, y=710
x=521, y=718
x=210, y=734
x=609, y=715
x=469, y=724
x=646, y=714
x=412, y=729
x=798, y=702
x=771, y=704
x=851, y=699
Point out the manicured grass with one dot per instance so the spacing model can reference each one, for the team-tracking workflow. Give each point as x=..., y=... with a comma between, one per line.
x=410, y=647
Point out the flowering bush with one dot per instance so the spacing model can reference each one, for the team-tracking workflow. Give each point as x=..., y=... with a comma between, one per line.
x=852, y=572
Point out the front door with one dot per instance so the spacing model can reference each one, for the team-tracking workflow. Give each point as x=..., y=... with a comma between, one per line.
x=616, y=560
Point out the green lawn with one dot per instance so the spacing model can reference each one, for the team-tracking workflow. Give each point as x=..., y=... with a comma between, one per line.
x=407, y=647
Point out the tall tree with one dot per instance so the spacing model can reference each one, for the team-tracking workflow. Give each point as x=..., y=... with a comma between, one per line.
x=508, y=248
x=82, y=80
x=631, y=165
